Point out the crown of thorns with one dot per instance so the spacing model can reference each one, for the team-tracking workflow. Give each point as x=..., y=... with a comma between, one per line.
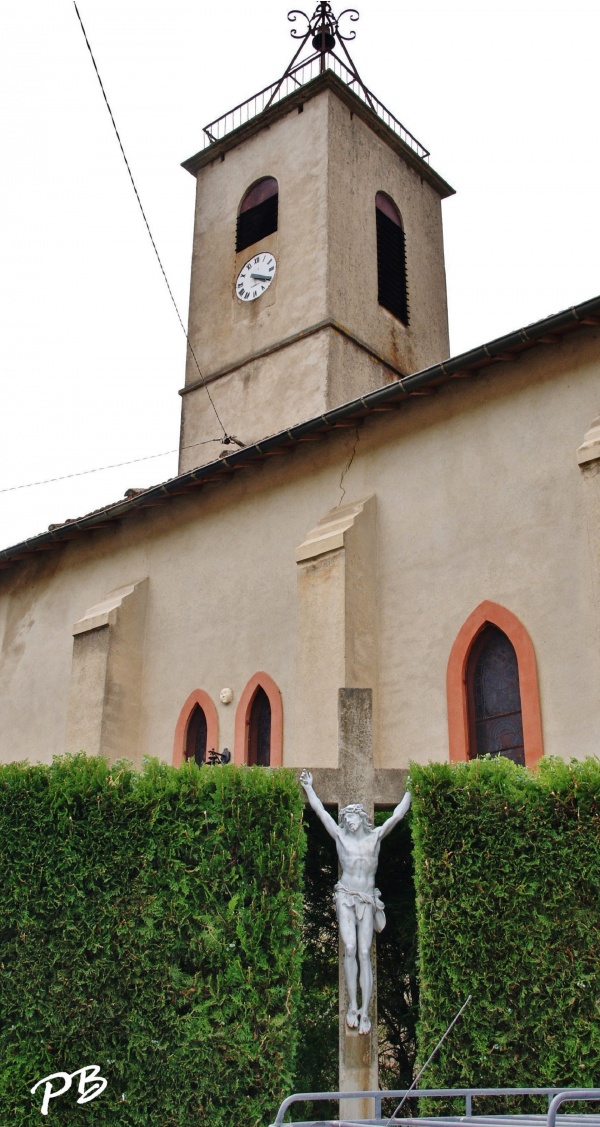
x=354, y=808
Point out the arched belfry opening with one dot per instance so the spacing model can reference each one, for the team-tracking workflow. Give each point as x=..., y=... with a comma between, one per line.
x=258, y=213
x=392, y=289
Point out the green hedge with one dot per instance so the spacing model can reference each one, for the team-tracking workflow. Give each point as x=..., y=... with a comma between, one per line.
x=508, y=901
x=150, y=924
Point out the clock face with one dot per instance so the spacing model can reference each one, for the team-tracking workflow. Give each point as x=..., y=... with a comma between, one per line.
x=255, y=276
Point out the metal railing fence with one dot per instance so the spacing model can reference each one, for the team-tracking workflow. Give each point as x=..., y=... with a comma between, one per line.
x=556, y=1096
x=299, y=76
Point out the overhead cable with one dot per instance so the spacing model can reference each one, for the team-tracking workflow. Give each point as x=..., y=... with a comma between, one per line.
x=100, y=469
x=82, y=473
x=226, y=438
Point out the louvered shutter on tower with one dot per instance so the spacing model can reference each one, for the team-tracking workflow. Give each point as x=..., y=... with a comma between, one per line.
x=257, y=223
x=391, y=267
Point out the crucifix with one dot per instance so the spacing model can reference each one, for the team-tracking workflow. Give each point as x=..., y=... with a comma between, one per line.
x=359, y=907
x=337, y=645
x=358, y=904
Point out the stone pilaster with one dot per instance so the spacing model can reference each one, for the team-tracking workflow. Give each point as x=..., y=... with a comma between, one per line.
x=588, y=457
x=106, y=676
x=337, y=626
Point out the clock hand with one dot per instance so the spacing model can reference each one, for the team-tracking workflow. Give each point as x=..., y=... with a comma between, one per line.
x=261, y=277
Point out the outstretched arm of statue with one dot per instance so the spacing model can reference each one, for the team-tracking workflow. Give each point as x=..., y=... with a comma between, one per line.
x=396, y=817
x=315, y=803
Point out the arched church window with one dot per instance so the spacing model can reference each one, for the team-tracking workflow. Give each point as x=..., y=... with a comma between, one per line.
x=196, y=736
x=258, y=739
x=197, y=729
x=392, y=290
x=494, y=697
x=259, y=730
x=257, y=216
x=492, y=689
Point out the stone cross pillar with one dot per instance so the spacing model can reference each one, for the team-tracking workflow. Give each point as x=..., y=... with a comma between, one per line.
x=358, y=1068
x=337, y=645
x=356, y=779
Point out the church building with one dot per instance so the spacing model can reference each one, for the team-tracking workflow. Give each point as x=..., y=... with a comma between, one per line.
x=380, y=517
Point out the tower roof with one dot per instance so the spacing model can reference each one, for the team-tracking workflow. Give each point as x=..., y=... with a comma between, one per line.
x=309, y=72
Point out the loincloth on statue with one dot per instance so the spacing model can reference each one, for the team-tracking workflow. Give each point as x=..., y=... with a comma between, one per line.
x=360, y=901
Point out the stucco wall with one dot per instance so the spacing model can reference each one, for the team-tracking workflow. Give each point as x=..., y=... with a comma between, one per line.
x=294, y=151
x=329, y=165
x=360, y=165
x=478, y=496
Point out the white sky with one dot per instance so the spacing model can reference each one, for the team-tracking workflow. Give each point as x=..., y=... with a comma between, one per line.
x=504, y=95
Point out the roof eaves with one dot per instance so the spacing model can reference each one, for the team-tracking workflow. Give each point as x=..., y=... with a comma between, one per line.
x=304, y=93
x=549, y=330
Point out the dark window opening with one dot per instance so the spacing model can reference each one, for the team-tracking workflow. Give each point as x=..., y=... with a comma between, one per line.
x=392, y=290
x=259, y=730
x=258, y=213
x=496, y=722
x=195, y=740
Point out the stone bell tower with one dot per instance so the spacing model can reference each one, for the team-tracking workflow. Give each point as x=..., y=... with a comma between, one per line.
x=318, y=263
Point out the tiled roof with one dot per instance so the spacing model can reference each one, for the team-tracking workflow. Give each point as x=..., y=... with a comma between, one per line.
x=549, y=331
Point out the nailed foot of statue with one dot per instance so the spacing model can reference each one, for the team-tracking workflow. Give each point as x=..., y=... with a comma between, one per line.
x=352, y=1018
x=365, y=1024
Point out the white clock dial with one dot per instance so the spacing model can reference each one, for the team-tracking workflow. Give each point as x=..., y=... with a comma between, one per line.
x=255, y=276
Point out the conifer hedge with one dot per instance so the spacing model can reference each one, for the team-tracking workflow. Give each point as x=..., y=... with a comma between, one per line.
x=508, y=901
x=149, y=924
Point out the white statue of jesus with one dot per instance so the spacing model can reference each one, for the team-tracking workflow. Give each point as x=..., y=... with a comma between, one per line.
x=358, y=903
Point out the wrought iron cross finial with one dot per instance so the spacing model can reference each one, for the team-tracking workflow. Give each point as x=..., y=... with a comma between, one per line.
x=323, y=26
x=329, y=53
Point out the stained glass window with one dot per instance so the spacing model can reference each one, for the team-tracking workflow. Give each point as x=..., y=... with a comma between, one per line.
x=195, y=742
x=259, y=730
x=496, y=722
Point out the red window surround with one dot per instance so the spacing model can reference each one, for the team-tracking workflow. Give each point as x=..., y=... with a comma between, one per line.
x=242, y=719
x=212, y=725
x=456, y=678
